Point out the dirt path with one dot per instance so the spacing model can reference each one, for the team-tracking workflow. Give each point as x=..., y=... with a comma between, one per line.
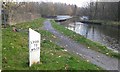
x=94, y=57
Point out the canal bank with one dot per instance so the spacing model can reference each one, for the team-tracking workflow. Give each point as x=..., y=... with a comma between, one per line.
x=115, y=24
x=99, y=59
x=102, y=34
x=81, y=39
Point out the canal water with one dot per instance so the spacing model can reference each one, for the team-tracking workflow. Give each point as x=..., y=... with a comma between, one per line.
x=104, y=35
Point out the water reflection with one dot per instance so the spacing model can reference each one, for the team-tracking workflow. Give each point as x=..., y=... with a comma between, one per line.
x=105, y=35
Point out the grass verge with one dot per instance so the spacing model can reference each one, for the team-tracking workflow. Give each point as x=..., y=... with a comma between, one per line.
x=35, y=24
x=88, y=43
x=53, y=57
x=1, y=58
x=109, y=23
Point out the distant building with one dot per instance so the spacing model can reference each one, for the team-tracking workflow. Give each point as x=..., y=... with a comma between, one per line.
x=84, y=18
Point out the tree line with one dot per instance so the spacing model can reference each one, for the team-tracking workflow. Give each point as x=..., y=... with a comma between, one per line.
x=94, y=10
x=12, y=10
x=102, y=11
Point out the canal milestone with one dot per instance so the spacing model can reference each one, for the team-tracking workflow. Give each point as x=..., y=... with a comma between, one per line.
x=105, y=35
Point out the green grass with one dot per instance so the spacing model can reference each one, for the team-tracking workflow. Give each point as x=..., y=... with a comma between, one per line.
x=111, y=23
x=0, y=48
x=37, y=23
x=88, y=43
x=53, y=57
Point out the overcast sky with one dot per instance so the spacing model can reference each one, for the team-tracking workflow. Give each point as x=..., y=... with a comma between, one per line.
x=75, y=2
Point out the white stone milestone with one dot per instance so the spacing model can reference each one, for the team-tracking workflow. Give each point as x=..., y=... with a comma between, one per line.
x=34, y=47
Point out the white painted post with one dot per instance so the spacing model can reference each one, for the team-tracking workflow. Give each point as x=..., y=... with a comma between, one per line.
x=34, y=47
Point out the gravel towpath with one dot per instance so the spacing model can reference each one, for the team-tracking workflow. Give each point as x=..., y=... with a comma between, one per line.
x=94, y=57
